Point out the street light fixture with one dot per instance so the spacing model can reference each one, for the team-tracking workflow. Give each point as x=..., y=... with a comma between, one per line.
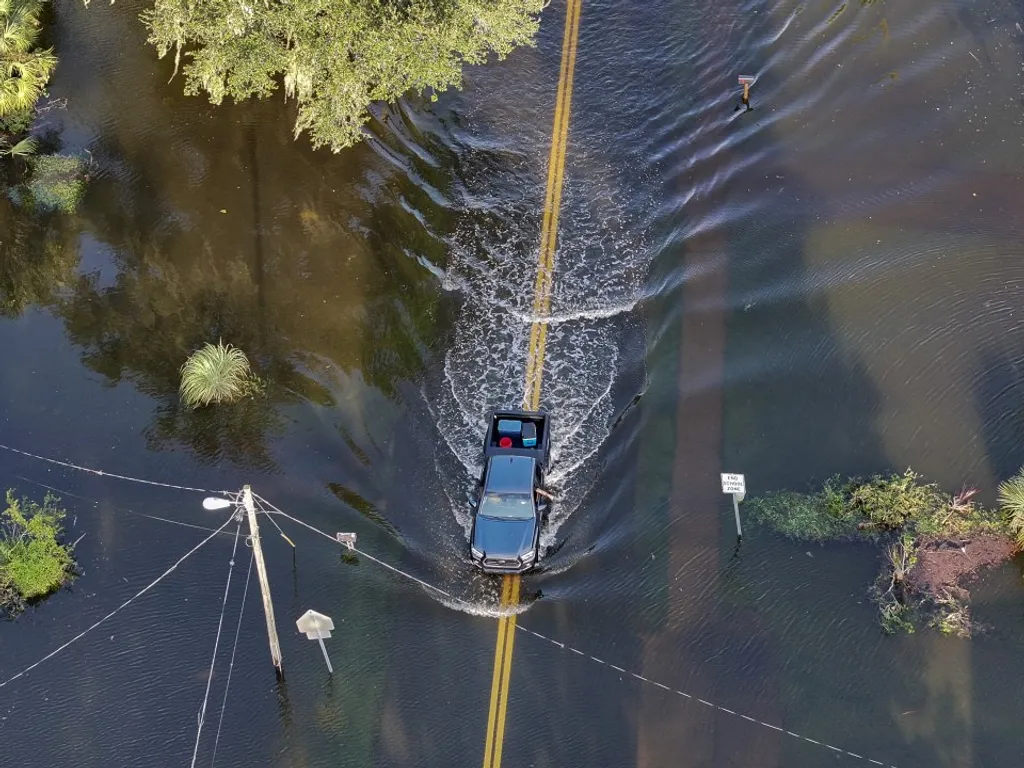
x=213, y=503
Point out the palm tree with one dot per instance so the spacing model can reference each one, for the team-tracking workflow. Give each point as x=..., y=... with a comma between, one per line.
x=23, y=72
x=1011, y=500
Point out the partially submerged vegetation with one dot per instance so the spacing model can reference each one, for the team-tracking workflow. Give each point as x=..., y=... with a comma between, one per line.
x=57, y=182
x=932, y=541
x=217, y=373
x=33, y=559
x=48, y=181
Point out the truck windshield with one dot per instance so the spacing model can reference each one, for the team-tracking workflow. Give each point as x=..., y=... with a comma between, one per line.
x=507, y=506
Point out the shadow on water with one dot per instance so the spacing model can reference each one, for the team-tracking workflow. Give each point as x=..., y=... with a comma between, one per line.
x=999, y=394
x=40, y=259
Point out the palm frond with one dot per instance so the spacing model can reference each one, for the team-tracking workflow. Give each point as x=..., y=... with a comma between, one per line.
x=23, y=148
x=23, y=79
x=1011, y=501
x=215, y=373
x=19, y=26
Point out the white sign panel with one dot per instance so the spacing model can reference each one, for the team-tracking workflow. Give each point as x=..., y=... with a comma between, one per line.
x=315, y=625
x=733, y=483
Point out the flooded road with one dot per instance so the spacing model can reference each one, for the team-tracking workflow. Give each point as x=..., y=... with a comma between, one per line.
x=826, y=284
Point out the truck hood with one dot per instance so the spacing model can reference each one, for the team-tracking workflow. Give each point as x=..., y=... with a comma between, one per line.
x=503, y=538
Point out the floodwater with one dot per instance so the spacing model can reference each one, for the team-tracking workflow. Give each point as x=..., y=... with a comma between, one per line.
x=827, y=284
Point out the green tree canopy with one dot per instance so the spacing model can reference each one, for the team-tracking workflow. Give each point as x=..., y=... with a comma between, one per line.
x=336, y=57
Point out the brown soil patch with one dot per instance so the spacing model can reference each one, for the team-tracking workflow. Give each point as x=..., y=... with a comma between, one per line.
x=944, y=564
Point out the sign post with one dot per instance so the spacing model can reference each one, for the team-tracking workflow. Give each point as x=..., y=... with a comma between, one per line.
x=736, y=485
x=316, y=626
x=746, y=81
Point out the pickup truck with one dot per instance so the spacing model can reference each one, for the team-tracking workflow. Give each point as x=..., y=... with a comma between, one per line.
x=512, y=503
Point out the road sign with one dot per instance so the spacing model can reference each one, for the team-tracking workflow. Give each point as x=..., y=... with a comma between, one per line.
x=733, y=483
x=316, y=626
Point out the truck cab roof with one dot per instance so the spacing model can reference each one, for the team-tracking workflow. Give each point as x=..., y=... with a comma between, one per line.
x=508, y=492
x=510, y=474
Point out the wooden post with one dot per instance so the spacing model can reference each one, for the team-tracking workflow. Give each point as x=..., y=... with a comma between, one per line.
x=261, y=570
x=746, y=81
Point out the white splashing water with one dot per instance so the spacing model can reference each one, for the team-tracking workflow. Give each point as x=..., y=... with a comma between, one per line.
x=600, y=265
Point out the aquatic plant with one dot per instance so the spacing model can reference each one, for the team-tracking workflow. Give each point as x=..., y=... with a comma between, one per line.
x=216, y=373
x=33, y=561
x=23, y=72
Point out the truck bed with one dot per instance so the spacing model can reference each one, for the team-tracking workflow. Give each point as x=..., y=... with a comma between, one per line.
x=516, y=428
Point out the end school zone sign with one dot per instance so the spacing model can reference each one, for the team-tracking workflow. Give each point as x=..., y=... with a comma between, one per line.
x=734, y=483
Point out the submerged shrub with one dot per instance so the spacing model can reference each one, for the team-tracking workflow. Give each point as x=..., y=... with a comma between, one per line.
x=891, y=502
x=216, y=373
x=809, y=516
x=16, y=123
x=33, y=562
x=58, y=181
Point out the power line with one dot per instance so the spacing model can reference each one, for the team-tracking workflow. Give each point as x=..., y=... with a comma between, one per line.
x=272, y=520
x=231, y=666
x=426, y=585
x=216, y=643
x=117, y=508
x=102, y=473
x=563, y=646
x=685, y=695
x=127, y=602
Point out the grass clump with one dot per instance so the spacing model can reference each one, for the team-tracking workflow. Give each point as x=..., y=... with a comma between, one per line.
x=33, y=561
x=217, y=373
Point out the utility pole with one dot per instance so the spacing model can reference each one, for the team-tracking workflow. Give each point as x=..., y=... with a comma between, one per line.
x=261, y=570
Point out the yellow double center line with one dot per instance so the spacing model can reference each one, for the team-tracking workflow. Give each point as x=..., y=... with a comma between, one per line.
x=535, y=363
x=552, y=206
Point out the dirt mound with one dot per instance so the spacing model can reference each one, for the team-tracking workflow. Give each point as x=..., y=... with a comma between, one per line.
x=943, y=565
